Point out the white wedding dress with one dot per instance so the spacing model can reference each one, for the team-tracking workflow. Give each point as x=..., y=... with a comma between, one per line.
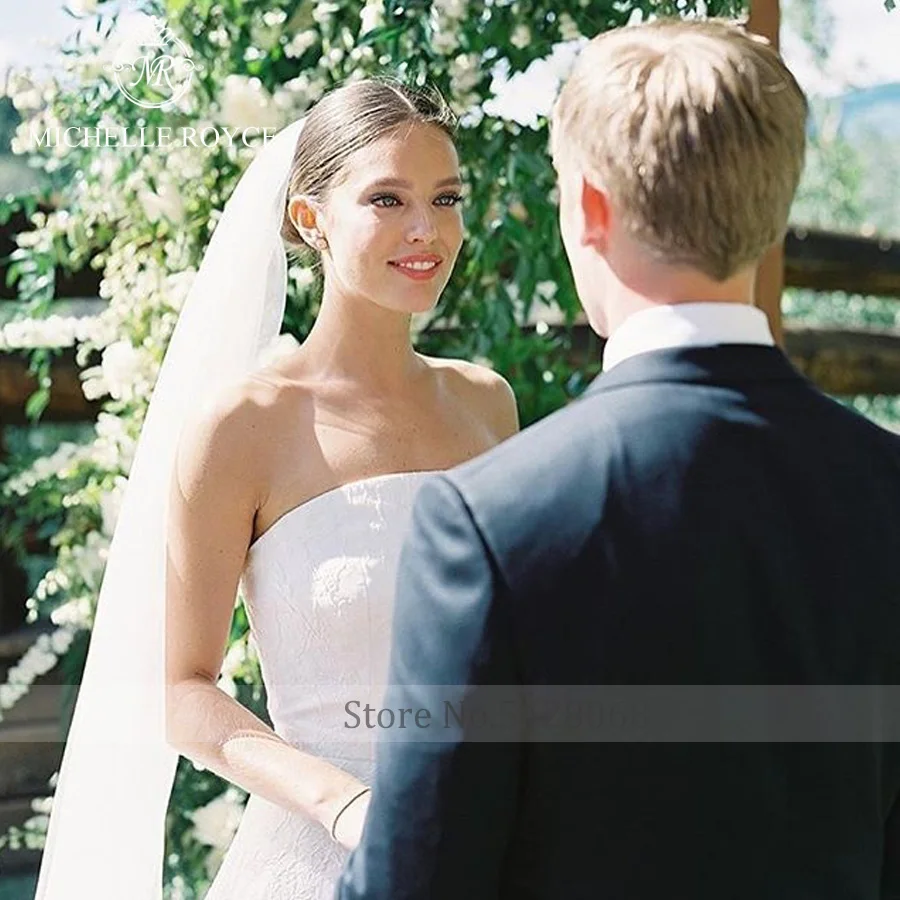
x=319, y=588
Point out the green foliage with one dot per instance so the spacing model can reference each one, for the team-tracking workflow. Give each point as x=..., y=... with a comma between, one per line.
x=847, y=187
x=9, y=119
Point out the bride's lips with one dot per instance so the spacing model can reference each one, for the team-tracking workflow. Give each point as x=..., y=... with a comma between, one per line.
x=419, y=273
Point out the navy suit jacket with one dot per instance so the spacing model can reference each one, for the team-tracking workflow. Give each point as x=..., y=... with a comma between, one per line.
x=701, y=516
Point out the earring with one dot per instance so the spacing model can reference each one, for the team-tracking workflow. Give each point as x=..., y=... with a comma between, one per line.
x=320, y=241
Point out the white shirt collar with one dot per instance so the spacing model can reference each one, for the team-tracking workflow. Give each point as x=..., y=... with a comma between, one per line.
x=686, y=325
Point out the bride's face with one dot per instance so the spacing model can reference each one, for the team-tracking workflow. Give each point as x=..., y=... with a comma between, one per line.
x=394, y=223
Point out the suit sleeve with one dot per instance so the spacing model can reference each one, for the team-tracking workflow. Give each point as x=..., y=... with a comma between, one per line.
x=444, y=799
x=890, y=878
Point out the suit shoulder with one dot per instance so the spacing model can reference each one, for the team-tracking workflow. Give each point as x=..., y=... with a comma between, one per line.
x=552, y=456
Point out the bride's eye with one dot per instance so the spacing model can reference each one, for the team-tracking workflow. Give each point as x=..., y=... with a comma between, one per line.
x=453, y=198
x=375, y=200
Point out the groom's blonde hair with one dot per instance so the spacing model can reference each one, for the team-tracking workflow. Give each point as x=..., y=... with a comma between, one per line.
x=696, y=130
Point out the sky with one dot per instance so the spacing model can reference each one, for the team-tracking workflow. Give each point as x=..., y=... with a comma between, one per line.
x=866, y=51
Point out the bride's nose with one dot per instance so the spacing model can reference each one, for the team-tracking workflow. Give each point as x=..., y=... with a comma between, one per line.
x=422, y=228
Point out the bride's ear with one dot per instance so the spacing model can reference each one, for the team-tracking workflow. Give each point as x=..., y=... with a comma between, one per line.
x=306, y=217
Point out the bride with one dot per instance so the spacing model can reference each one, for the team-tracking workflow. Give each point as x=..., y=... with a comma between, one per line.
x=293, y=480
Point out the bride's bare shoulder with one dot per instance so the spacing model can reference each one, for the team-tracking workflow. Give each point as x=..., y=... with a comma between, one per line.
x=242, y=417
x=481, y=389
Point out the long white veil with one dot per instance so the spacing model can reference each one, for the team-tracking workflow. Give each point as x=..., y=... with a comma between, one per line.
x=107, y=826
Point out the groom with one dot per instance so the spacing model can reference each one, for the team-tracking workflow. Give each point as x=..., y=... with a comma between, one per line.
x=702, y=516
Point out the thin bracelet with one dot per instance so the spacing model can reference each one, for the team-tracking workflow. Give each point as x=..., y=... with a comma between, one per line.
x=343, y=809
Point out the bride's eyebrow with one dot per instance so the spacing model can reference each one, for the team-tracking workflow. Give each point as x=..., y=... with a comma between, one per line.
x=453, y=181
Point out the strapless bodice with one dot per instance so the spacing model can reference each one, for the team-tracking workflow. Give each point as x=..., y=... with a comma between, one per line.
x=319, y=592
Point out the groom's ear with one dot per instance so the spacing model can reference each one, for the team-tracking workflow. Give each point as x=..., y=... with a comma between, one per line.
x=595, y=212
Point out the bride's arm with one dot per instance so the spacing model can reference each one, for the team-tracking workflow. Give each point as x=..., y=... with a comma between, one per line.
x=213, y=498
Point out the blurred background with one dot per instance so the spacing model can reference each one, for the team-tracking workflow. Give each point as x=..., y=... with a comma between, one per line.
x=96, y=251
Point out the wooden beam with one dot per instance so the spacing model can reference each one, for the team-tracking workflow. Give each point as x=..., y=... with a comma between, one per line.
x=840, y=361
x=825, y=261
x=765, y=19
x=844, y=362
x=67, y=401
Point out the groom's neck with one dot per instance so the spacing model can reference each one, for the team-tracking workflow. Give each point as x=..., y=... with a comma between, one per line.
x=650, y=283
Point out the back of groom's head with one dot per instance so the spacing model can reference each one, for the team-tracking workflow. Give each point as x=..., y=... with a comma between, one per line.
x=696, y=129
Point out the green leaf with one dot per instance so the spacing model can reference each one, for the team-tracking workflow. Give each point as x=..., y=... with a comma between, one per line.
x=37, y=403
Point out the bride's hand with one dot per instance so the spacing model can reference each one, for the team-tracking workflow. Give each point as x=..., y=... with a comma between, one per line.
x=349, y=825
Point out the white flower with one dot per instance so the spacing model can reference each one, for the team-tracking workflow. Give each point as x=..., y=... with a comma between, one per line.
x=234, y=659
x=89, y=559
x=372, y=16
x=75, y=614
x=89, y=66
x=60, y=641
x=302, y=276
x=360, y=54
x=53, y=331
x=452, y=9
x=300, y=43
x=216, y=823
x=25, y=93
x=445, y=41
x=213, y=861
x=52, y=583
x=42, y=805
x=28, y=239
x=36, y=662
x=305, y=89
x=111, y=504
x=322, y=12
x=119, y=367
x=37, y=823
x=521, y=36
x=10, y=694
x=261, y=41
x=178, y=284
x=417, y=322
x=245, y=103
x=274, y=18
x=83, y=7
x=568, y=30
x=464, y=73
x=165, y=202
x=218, y=37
